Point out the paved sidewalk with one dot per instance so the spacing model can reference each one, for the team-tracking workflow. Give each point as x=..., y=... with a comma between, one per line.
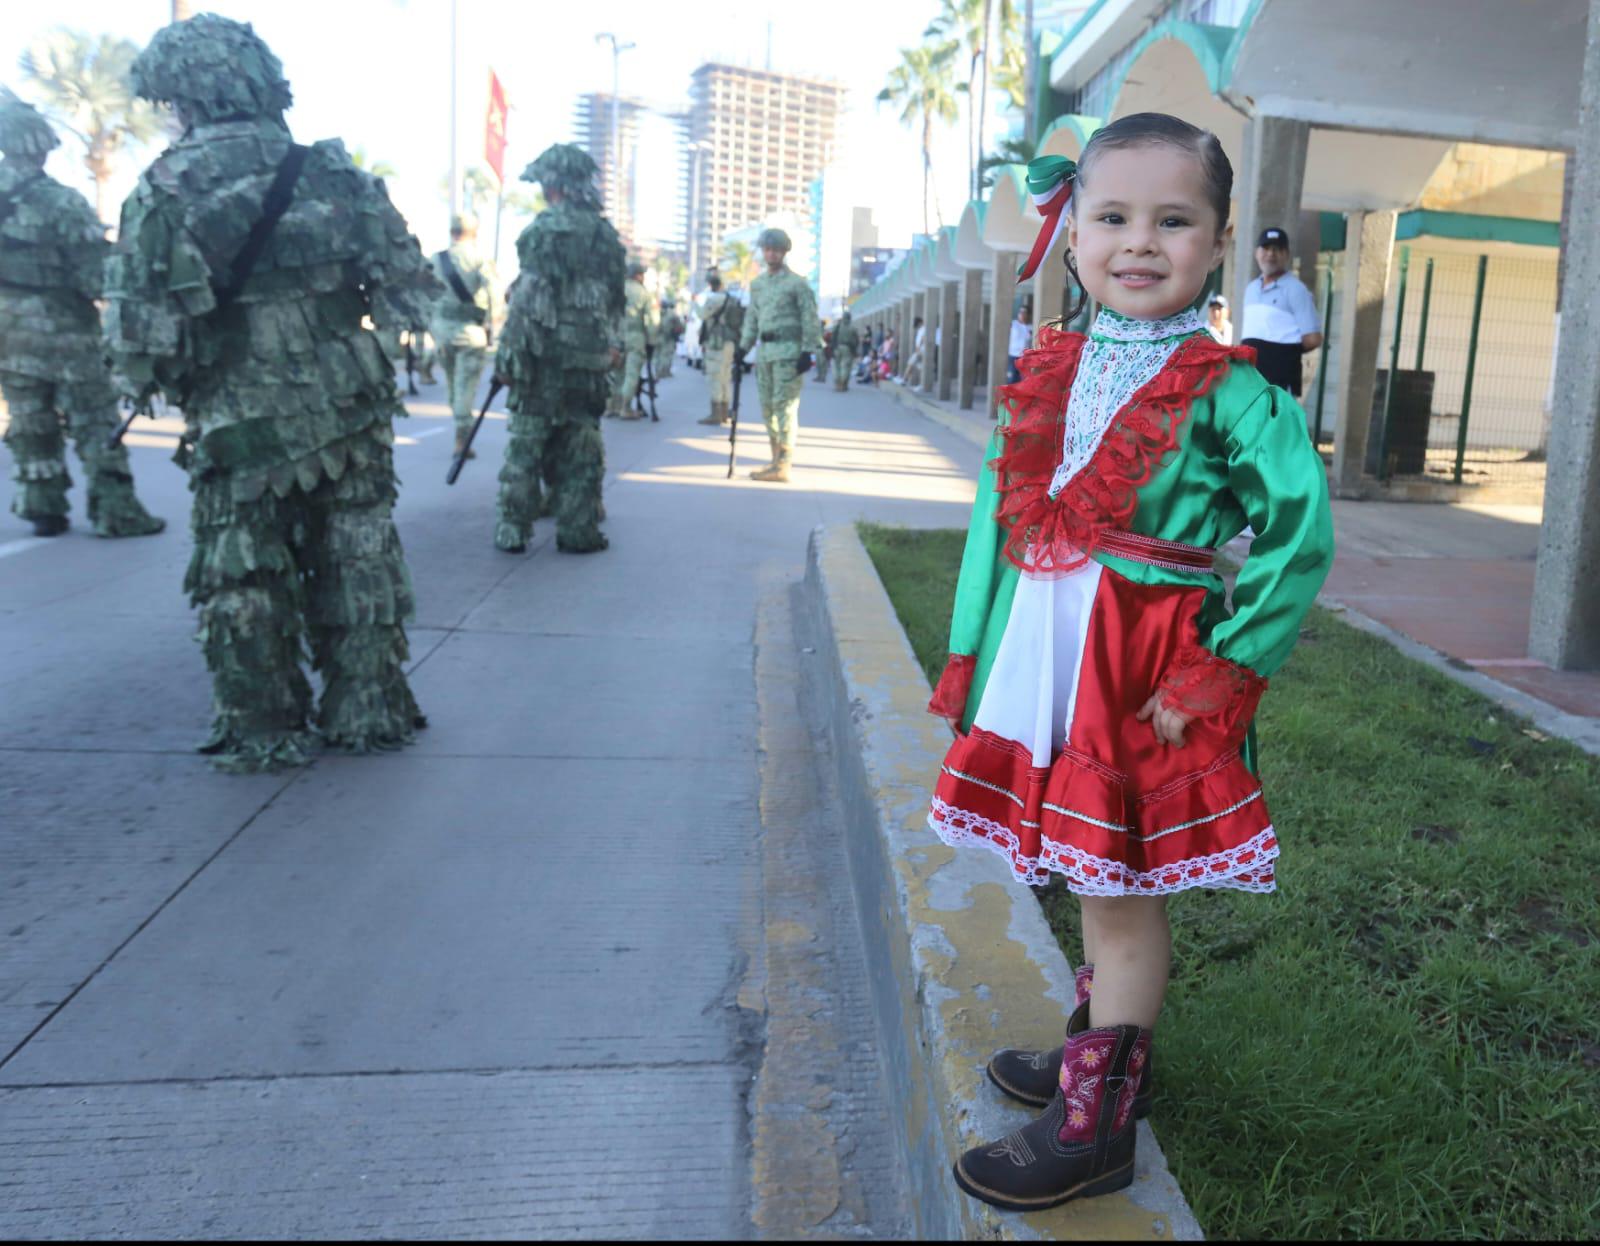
x=521, y=979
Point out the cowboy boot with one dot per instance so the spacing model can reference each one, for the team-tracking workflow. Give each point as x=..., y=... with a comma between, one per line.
x=1030, y=1076
x=1083, y=1143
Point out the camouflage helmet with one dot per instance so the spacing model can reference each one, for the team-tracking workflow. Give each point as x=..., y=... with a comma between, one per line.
x=774, y=238
x=636, y=267
x=23, y=131
x=567, y=169
x=212, y=69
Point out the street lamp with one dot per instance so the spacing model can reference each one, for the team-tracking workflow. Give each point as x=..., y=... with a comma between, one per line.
x=697, y=149
x=617, y=49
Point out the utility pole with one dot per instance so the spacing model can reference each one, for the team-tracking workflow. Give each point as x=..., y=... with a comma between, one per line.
x=1028, y=70
x=455, y=165
x=617, y=49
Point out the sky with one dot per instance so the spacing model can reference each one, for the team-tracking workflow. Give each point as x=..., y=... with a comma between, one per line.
x=376, y=73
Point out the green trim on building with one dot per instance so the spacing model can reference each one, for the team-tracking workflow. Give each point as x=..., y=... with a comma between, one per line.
x=1081, y=127
x=1472, y=227
x=1332, y=231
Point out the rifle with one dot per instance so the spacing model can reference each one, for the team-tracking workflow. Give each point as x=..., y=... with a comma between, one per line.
x=411, y=367
x=495, y=386
x=135, y=410
x=650, y=379
x=733, y=431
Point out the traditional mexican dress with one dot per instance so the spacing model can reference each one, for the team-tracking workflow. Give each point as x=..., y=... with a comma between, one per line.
x=1128, y=457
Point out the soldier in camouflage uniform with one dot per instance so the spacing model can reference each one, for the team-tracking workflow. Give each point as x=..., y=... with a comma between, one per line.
x=558, y=344
x=783, y=318
x=721, y=318
x=671, y=331
x=846, y=346
x=288, y=401
x=52, y=365
x=464, y=329
x=641, y=322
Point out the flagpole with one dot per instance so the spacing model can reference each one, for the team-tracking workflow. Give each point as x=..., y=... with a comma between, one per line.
x=455, y=165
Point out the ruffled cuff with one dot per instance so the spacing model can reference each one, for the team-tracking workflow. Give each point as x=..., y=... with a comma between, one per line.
x=950, y=697
x=1202, y=685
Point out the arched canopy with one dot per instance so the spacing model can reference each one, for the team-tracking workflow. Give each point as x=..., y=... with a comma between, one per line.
x=971, y=251
x=1010, y=223
x=1067, y=135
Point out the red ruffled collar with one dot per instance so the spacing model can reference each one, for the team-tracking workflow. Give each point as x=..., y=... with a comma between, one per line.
x=1050, y=537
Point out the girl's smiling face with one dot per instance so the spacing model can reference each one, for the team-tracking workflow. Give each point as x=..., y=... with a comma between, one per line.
x=1143, y=232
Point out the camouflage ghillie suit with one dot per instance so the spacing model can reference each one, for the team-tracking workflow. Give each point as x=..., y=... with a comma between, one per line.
x=52, y=364
x=557, y=347
x=288, y=401
x=846, y=346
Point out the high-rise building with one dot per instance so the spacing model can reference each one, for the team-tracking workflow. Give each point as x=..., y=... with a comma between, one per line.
x=764, y=138
x=643, y=169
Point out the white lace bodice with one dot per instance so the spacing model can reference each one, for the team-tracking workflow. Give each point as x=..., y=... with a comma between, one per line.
x=1121, y=357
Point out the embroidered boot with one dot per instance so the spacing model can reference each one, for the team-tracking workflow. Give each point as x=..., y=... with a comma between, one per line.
x=1030, y=1076
x=1083, y=1143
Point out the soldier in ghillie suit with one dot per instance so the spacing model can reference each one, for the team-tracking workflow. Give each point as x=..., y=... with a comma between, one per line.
x=288, y=401
x=52, y=364
x=558, y=345
x=846, y=346
x=783, y=318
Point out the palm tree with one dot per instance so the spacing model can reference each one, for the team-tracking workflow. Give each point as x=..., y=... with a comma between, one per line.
x=740, y=263
x=922, y=87
x=1016, y=150
x=80, y=81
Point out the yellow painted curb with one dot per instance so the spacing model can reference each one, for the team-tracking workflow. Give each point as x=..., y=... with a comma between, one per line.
x=962, y=960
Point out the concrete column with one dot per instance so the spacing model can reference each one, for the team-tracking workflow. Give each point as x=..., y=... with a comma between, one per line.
x=1274, y=175
x=932, y=305
x=1565, y=626
x=967, y=348
x=908, y=309
x=1005, y=294
x=950, y=351
x=1363, y=278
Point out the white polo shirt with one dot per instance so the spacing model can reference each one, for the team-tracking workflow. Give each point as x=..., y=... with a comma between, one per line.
x=1282, y=312
x=1021, y=338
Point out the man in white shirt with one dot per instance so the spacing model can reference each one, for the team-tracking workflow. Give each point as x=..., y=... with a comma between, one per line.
x=1280, y=314
x=913, y=370
x=1021, y=339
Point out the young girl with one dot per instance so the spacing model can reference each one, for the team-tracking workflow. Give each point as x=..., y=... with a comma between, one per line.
x=1101, y=691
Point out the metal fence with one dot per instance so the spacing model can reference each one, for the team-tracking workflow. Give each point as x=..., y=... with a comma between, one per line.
x=1464, y=370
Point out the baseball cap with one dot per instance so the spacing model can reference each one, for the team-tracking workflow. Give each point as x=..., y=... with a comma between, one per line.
x=1216, y=300
x=1273, y=238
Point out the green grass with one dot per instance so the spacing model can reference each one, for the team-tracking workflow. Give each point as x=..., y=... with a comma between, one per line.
x=1404, y=1041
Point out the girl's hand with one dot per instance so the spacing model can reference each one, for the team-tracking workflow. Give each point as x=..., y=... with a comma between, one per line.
x=1168, y=723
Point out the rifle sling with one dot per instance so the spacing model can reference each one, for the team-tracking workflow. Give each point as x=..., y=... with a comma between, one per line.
x=448, y=267
x=272, y=209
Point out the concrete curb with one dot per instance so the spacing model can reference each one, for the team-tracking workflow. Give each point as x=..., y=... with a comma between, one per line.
x=971, y=427
x=951, y=939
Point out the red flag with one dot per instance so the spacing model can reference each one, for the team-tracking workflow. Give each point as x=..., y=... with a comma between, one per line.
x=494, y=129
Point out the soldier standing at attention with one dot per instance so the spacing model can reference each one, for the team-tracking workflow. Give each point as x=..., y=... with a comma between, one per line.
x=243, y=269
x=783, y=318
x=554, y=355
x=52, y=369
x=640, y=322
x=846, y=345
x=463, y=319
x=721, y=319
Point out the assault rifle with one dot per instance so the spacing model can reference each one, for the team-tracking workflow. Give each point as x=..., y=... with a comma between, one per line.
x=456, y=464
x=135, y=410
x=650, y=381
x=733, y=430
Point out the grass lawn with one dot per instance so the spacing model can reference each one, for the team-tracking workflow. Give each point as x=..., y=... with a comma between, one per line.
x=1404, y=1041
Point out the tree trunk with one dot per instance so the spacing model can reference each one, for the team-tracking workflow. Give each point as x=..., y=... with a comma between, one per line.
x=983, y=91
x=927, y=165
x=974, y=122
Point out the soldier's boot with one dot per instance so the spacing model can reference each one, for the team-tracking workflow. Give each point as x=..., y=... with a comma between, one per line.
x=579, y=508
x=461, y=444
x=114, y=508
x=778, y=473
x=719, y=415
x=50, y=525
x=1082, y=1145
x=772, y=449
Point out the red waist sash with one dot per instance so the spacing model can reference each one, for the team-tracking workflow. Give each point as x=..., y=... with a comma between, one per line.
x=1136, y=547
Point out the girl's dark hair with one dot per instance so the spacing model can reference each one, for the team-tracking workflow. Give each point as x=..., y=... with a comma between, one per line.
x=1149, y=129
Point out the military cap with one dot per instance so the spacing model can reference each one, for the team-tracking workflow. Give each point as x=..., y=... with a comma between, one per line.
x=567, y=169
x=636, y=268
x=212, y=69
x=23, y=131
x=774, y=238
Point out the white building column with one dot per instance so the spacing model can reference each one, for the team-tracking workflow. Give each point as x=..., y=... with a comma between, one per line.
x=1268, y=192
x=1565, y=624
x=1363, y=279
x=1003, y=296
x=967, y=348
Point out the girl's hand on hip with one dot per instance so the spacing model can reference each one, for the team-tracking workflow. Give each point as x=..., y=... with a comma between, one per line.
x=1168, y=723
